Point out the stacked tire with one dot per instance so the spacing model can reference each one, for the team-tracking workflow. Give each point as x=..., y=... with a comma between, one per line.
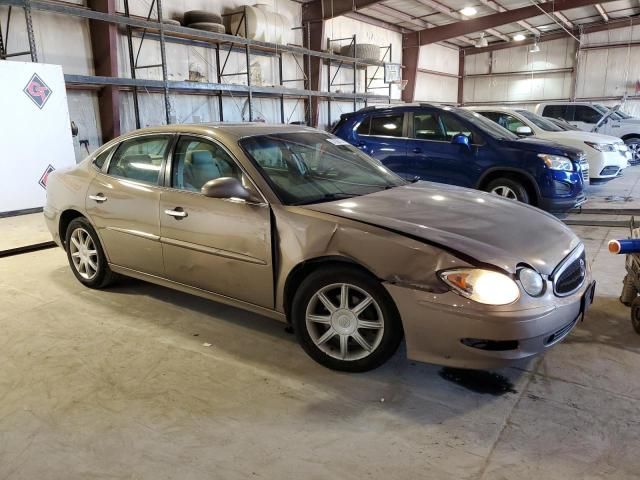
x=203, y=20
x=363, y=51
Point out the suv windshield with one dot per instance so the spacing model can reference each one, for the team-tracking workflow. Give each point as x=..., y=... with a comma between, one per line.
x=313, y=167
x=539, y=121
x=487, y=126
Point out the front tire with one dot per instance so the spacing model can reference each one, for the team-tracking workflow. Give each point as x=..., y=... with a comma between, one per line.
x=86, y=257
x=346, y=320
x=635, y=314
x=508, y=188
x=633, y=144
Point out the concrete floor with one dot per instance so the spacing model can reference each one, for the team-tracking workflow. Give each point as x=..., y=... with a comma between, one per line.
x=118, y=384
x=22, y=231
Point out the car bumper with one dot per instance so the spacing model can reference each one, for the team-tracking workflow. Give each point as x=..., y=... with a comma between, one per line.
x=561, y=204
x=51, y=217
x=438, y=330
x=606, y=165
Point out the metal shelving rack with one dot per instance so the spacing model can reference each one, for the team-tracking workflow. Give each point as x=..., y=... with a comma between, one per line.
x=155, y=29
x=4, y=54
x=355, y=66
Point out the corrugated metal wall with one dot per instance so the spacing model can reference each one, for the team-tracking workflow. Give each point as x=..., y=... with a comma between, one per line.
x=433, y=87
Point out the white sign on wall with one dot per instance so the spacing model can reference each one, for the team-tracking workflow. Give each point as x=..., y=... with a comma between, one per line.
x=35, y=132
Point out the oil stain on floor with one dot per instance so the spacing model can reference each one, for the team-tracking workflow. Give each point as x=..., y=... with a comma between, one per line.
x=479, y=381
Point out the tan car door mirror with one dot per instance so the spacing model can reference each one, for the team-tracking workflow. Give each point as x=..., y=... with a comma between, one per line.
x=226, y=187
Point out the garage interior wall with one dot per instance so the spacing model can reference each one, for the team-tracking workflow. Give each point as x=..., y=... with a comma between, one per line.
x=597, y=73
x=432, y=86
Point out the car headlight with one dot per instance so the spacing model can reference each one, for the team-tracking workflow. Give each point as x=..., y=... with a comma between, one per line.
x=531, y=281
x=482, y=286
x=556, y=162
x=602, y=147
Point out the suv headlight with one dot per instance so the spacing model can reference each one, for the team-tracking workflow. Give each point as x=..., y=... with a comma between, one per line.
x=556, y=162
x=482, y=286
x=602, y=147
x=531, y=281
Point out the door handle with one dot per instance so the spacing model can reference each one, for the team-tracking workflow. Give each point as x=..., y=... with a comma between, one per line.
x=98, y=198
x=178, y=213
x=417, y=150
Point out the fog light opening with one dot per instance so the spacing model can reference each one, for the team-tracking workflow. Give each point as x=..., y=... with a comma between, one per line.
x=490, y=345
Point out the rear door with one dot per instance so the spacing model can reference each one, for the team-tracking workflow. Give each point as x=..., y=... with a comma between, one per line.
x=383, y=136
x=432, y=154
x=123, y=201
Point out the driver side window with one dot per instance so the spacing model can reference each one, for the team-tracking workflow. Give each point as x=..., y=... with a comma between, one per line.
x=196, y=161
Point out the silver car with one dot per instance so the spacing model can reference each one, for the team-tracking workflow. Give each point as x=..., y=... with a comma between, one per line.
x=297, y=225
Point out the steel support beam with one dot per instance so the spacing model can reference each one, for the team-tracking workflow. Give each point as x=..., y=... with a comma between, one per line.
x=104, y=37
x=410, y=56
x=444, y=32
x=313, y=33
x=461, y=77
x=553, y=36
x=326, y=9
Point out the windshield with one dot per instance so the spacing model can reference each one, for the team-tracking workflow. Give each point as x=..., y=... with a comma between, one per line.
x=313, y=167
x=487, y=126
x=539, y=121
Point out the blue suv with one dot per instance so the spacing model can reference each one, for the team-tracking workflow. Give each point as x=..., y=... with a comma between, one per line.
x=460, y=147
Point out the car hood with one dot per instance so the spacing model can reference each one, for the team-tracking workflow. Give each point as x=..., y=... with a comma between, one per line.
x=580, y=136
x=469, y=223
x=543, y=145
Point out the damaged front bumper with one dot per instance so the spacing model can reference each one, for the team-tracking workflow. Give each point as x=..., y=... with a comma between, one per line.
x=447, y=329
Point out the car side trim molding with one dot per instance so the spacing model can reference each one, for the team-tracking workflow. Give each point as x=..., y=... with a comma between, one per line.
x=212, y=251
x=267, y=312
x=135, y=233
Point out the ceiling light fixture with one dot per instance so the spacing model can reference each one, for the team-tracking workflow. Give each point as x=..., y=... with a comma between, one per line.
x=518, y=37
x=481, y=42
x=468, y=11
x=535, y=48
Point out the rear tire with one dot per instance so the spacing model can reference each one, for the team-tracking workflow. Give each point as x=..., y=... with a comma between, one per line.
x=357, y=330
x=635, y=314
x=86, y=256
x=509, y=188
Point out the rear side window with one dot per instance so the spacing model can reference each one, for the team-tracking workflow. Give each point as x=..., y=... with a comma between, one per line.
x=387, y=125
x=586, y=114
x=100, y=159
x=556, y=111
x=140, y=159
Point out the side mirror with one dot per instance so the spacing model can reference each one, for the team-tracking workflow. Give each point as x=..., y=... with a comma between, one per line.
x=461, y=139
x=226, y=187
x=524, y=131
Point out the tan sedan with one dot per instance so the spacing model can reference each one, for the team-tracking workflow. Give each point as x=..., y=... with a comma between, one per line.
x=296, y=224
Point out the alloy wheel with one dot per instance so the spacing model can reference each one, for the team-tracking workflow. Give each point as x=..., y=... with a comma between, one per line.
x=84, y=254
x=344, y=321
x=504, y=191
x=634, y=148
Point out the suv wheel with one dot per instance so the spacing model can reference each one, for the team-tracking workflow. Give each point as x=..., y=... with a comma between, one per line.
x=346, y=320
x=508, y=188
x=633, y=144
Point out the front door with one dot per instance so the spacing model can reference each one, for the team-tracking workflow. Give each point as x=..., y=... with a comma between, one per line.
x=585, y=117
x=218, y=245
x=123, y=203
x=433, y=156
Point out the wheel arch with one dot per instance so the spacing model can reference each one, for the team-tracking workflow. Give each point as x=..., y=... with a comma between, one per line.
x=298, y=273
x=629, y=136
x=66, y=217
x=526, y=178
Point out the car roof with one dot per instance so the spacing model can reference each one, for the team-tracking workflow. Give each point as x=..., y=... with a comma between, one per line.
x=229, y=130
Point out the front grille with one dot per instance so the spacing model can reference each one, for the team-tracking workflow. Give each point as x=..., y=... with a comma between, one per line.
x=584, y=168
x=610, y=170
x=559, y=334
x=571, y=275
